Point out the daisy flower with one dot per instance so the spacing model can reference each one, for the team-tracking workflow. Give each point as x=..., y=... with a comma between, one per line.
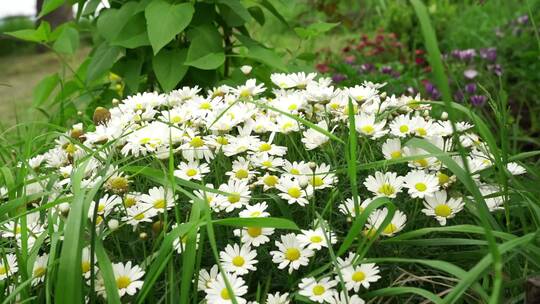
x=8, y=266
x=388, y=184
x=254, y=236
x=196, y=148
x=441, y=208
x=104, y=206
x=291, y=253
x=391, y=148
x=278, y=298
x=267, y=162
x=86, y=262
x=421, y=184
x=127, y=278
x=362, y=93
x=493, y=201
x=40, y=269
x=241, y=170
x=257, y=210
x=366, y=125
x=268, y=181
x=159, y=198
x=192, y=170
x=292, y=191
x=141, y=213
x=347, y=207
x=238, y=260
x=313, y=139
x=316, y=239
x=321, y=177
x=249, y=89
x=401, y=126
x=238, y=194
x=341, y=297
x=360, y=275
x=318, y=291
x=207, y=277
x=515, y=168
x=217, y=292
x=376, y=219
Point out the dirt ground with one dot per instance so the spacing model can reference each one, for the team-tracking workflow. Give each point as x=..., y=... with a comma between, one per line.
x=19, y=74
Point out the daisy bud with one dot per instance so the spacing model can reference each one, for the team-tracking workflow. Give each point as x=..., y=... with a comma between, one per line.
x=101, y=115
x=425, y=113
x=80, y=113
x=64, y=208
x=157, y=226
x=312, y=165
x=115, y=101
x=113, y=224
x=444, y=116
x=143, y=236
x=383, y=95
x=246, y=69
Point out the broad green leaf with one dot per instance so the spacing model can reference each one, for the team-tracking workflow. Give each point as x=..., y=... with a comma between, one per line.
x=49, y=6
x=102, y=60
x=134, y=34
x=169, y=67
x=106, y=269
x=258, y=52
x=44, y=89
x=270, y=222
x=90, y=7
x=233, y=12
x=270, y=7
x=314, y=30
x=130, y=70
x=68, y=41
x=125, y=26
x=165, y=21
x=206, y=49
x=41, y=34
x=257, y=14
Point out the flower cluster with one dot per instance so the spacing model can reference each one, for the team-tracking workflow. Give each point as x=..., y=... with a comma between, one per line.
x=251, y=154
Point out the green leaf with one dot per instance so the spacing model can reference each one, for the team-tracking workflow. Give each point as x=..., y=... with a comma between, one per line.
x=270, y=7
x=169, y=67
x=41, y=34
x=125, y=26
x=106, y=269
x=165, y=21
x=233, y=12
x=269, y=222
x=206, y=49
x=257, y=14
x=90, y=7
x=49, y=6
x=133, y=35
x=68, y=41
x=130, y=70
x=44, y=89
x=314, y=30
x=258, y=52
x=102, y=60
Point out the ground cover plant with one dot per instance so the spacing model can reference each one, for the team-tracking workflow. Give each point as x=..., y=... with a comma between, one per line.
x=258, y=187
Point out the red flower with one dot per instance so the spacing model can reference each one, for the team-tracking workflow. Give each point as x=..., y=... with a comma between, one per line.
x=322, y=68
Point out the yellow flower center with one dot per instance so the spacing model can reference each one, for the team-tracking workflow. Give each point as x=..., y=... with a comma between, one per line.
x=245, y=93
x=145, y=140
x=318, y=290
x=139, y=216
x=3, y=270
x=404, y=129
x=293, y=107
x=255, y=214
x=159, y=204
x=294, y=192
x=295, y=171
x=421, y=162
x=317, y=181
x=85, y=266
x=443, y=178
x=191, y=172
x=334, y=106
x=267, y=163
x=292, y=254
x=369, y=129
x=315, y=239
x=205, y=106
x=238, y=261
x=389, y=229
x=100, y=208
x=241, y=174
x=421, y=131
x=176, y=119
x=358, y=276
x=123, y=282
x=286, y=126
x=265, y=147
x=254, y=231
x=40, y=271
x=222, y=140
x=119, y=184
x=359, y=98
x=420, y=187
x=395, y=154
x=443, y=210
x=129, y=201
x=233, y=198
x=196, y=142
x=225, y=294
x=70, y=148
x=270, y=180
x=386, y=189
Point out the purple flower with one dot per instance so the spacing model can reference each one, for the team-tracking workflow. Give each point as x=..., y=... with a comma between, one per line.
x=495, y=69
x=395, y=74
x=523, y=19
x=435, y=94
x=367, y=67
x=478, y=100
x=338, y=77
x=429, y=87
x=470, y=73
x=458, y=96
x=386, y=69
x=470, y=88
x=489, y=54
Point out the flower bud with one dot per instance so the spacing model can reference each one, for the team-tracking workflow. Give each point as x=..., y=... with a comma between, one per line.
x=113, y=224
x=246, y=69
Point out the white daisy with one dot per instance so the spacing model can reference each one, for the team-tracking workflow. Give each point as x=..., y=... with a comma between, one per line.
x=290, y=253
x=421, y=184
x=159, y=198
x=316, y=239
x=318, y=290
x=192, y=170
x=441, y=208
x=40, y=269
x=391, y=148
x=360, y=275
x=388, y=184
x=366, y=125
x=217, y=292
x=128, y=278
x=207, y=277
x=347, y=207
x=313, y=139
x=376, y=219
x=292, y=191
x=238, y=260
x=238, y=194
x=278, y=298
x=8, y=266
